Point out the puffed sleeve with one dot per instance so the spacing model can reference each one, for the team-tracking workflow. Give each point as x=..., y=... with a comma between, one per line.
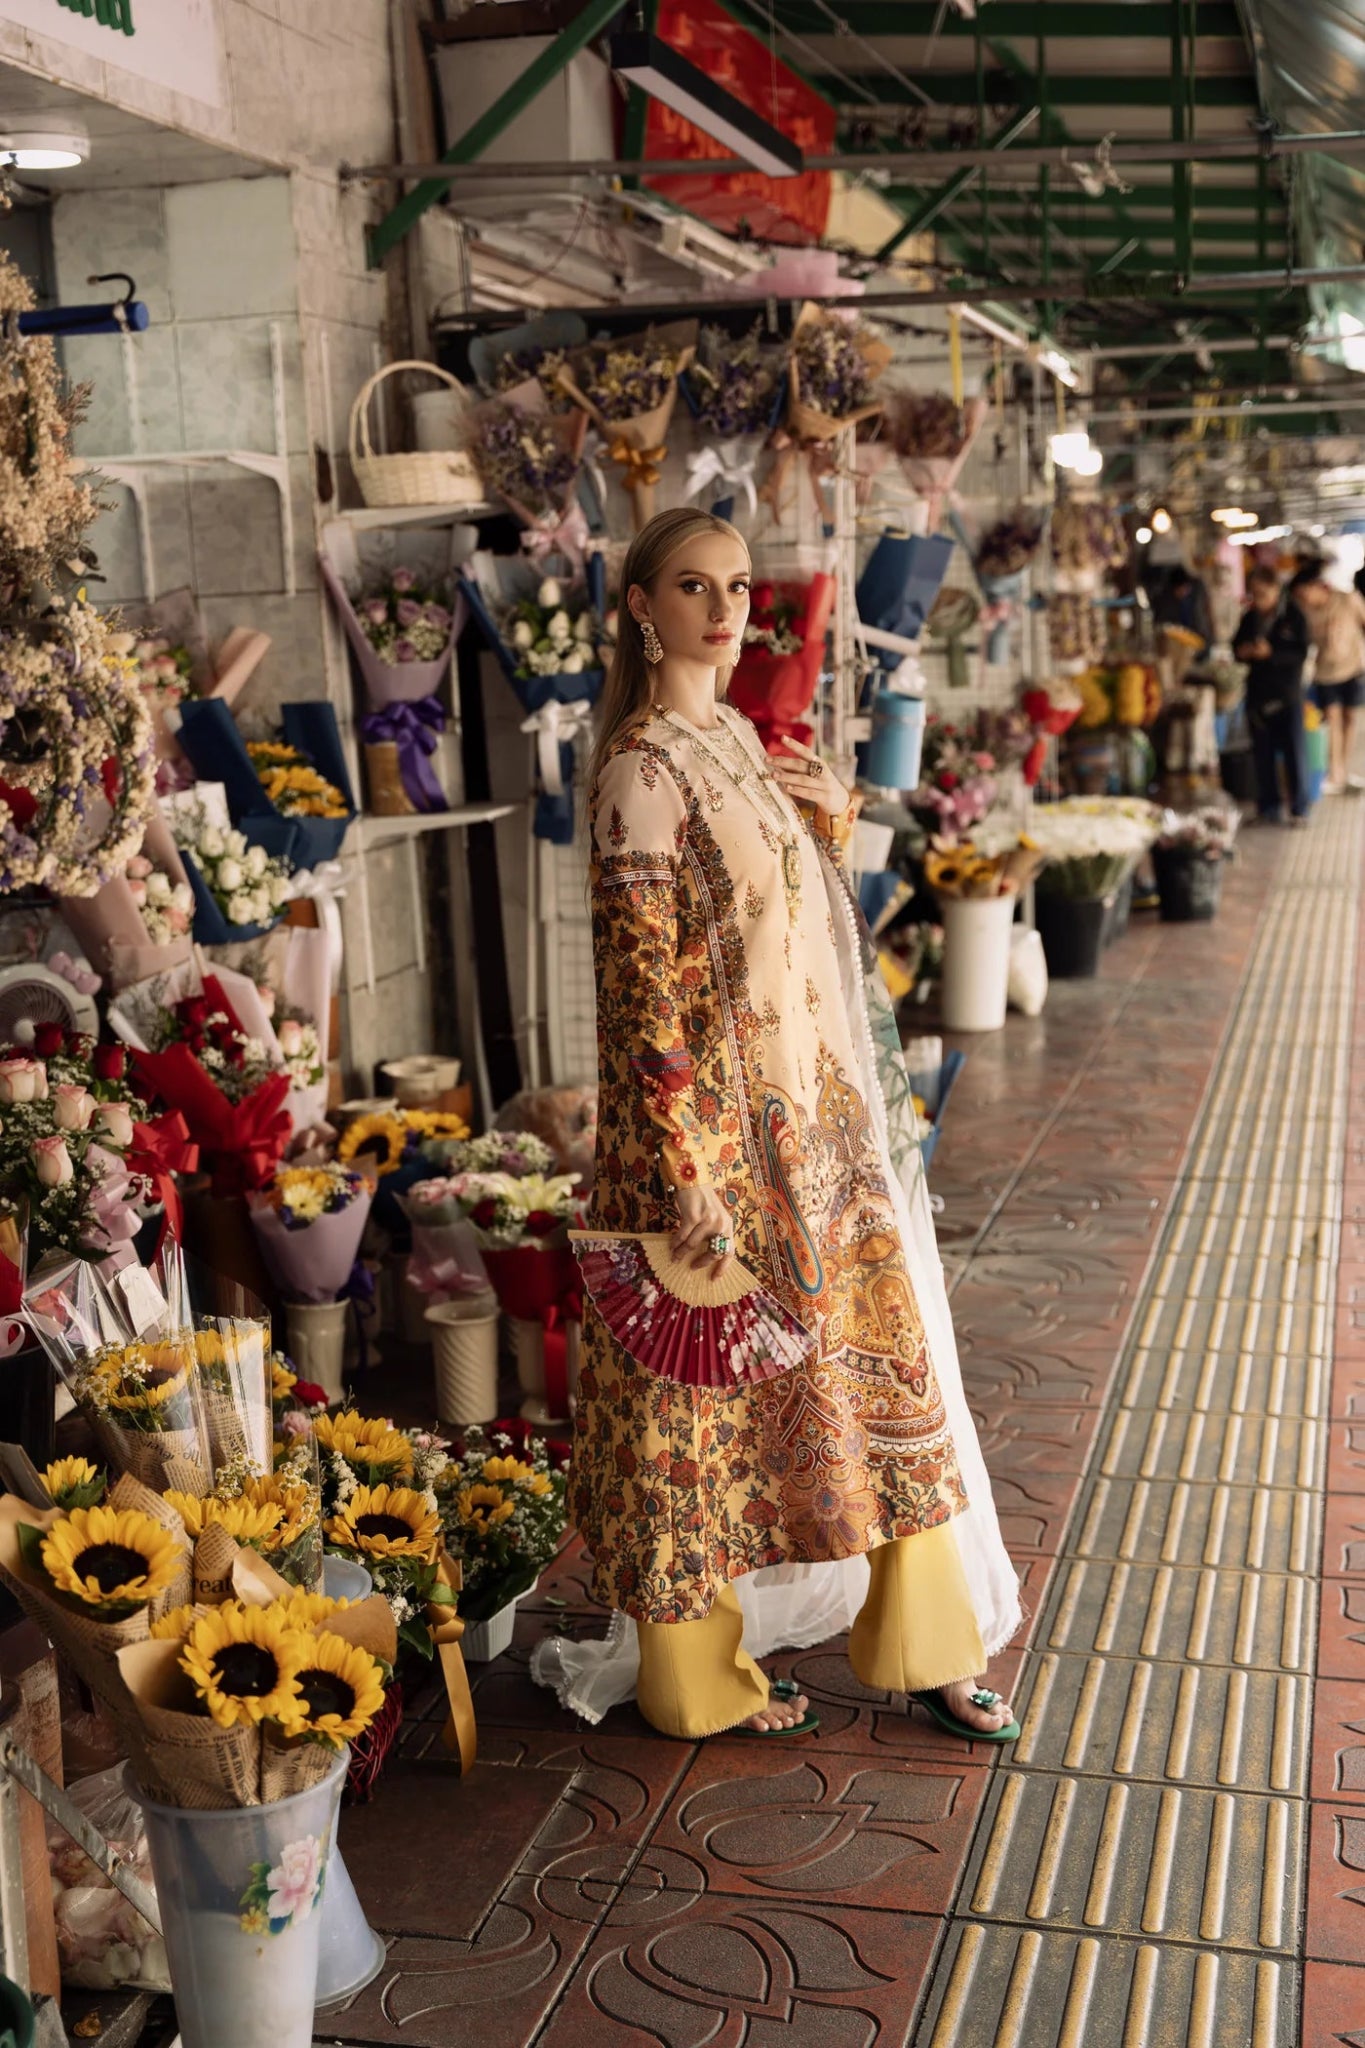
x=639, y=831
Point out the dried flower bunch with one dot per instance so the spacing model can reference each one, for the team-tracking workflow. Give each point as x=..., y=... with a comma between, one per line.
x=520, y=366
x=525, y=457
x=734, y=385
x=622, y=379
x=1087, y=534
x=44, y=509
x=925, y=424
x=1010, y=544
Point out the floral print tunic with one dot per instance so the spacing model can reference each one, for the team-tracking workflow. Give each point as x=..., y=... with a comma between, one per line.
x=726, y=1058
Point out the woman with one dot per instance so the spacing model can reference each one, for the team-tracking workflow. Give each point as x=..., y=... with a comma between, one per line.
x=1336, y=622
x=741, y=1109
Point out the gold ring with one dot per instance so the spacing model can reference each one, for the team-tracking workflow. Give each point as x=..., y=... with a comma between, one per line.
x=815, y=767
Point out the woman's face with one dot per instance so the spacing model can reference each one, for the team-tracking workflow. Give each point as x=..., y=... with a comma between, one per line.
x=700, y=601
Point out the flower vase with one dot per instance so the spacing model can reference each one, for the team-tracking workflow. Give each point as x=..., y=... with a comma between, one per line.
x=482, y=1641
x=464, y=1335
x=316, y=1335
x=1072, y=931
x=528, y=1339
x=350, y=1953
x=241, y=1894
x=976, y=961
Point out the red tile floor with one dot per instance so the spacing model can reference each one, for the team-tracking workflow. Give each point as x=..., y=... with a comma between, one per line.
x=1145, y=1194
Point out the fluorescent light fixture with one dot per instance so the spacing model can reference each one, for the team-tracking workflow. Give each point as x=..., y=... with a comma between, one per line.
x=1089, y=462
x=1316, y=532
x=659, y=70
x=1053, y=359
x=1161, y=520
x=1260, y=534
x=43, y=149
x=1069, y=449
x=1012, y=337
x=1227, y=515
x=1143, y=535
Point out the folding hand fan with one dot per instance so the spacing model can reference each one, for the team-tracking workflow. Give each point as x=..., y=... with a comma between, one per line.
x=676, y=1321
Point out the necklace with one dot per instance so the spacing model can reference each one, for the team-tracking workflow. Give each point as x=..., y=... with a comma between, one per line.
x=749, y=785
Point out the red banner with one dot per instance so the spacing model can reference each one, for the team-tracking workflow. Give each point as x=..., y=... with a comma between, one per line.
x=794, y=210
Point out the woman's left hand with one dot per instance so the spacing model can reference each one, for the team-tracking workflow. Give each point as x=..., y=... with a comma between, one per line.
x=809, y=780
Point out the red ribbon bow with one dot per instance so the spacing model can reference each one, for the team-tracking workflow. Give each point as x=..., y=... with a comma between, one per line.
x=161, y=1149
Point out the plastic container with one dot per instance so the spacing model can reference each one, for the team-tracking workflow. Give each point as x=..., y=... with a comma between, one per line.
x=893, y=753
x=1072, y=932
x=482, y=1641
x=464, y=1336
x=1120, y=910
x=419, y=1080
x=241, y=1894
x=316, y=1336
x=976, y=961
x=1190, y=887
x=344, y=1578
x=350, y=1953
x=438, y=419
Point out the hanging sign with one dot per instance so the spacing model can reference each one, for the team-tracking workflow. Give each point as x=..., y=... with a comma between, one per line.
x=776, y=209
x=173, y=43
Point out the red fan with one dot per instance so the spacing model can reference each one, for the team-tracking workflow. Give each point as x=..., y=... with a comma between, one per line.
x=676, y=1321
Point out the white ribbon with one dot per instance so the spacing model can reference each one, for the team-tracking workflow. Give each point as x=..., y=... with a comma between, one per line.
x=554, y=725
x=323, y=885
x=725, y=462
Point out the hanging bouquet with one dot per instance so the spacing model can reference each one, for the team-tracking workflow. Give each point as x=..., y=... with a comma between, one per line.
x=45, y=509
x=309, y=1222
x=775, y=679
x=931, y=437
x=1086, y=537
x=66, y=1126
x=397, y=635
x=628, y=389
x=503, y=1518
x=529, y=453
x=957, y=785
x=555, y=634
x=240, y=890
x=380, y=1508
x=1002, y=558
x=77, y=761
x=832, y=368
x=735, y=391
x=1091, y=844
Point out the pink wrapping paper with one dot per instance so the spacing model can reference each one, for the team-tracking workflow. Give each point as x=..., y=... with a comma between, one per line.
x=408, y=681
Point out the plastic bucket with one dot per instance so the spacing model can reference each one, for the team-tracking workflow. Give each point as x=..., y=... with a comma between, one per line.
x=419, y=1080
x=438, y=419
x=1190, y=887
x=316, y=1333
x=1119, y=912
x=893, y=753
x=241, y=1894
x=464, y=1336
x=482, y=1641
x=976, y=961
x=350, y=1953
x=1072, y=932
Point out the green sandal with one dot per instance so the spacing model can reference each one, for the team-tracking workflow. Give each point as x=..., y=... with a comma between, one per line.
x=932, y=1702
x=783, y=1689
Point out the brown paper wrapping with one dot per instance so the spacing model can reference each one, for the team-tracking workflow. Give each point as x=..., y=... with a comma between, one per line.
x=185, y=1758
x=639, y=444
x=215, y=1555
x=254, y=1582
x=289, y=1767
x=385, y=795
x=148, y=1454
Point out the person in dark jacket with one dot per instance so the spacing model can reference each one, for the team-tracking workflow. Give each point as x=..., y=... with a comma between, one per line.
x=1273, y=639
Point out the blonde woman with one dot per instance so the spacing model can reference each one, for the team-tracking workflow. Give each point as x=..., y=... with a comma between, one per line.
x=753, y=1104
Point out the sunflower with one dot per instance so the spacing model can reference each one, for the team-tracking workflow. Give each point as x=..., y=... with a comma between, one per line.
x=282, y=1381
x=342, y=1689
x=74, y=1483
x=242, y=1663
x=386, y=1521
x=307, y=1610
x=374, y=1141
x=505, y=1468
x=944, y=872
x=111, y=1559
x=366, y=1442
x=483, y=1507
x=435, y=1123
x=209, y=1348
x=245, y=1520
x=175, y=1624
x=142, y=1378
x=297, y=1504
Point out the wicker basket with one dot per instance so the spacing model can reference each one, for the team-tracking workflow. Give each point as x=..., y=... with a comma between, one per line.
x=428, y=477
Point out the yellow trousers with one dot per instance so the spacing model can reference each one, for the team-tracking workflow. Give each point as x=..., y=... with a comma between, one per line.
x=916, y=1630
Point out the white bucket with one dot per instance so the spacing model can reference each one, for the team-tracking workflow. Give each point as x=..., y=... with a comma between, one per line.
x=482, y=1641
x=976, y=962
x=871, y=847
x=438, y=419
x=419, y=1080
x=464, y=1338
x=317, y=1342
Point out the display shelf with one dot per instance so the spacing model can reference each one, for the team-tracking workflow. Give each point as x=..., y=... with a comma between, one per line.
x=368, y=518
x=375, y=831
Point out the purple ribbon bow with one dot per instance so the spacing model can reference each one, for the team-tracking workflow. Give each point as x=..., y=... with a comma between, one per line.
x=415, y=729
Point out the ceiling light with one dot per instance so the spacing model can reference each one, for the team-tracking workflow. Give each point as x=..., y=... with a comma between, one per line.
x=1316, y=532
x=1161, y=520
x=1053, y=359
x=1089, y=462
x=1259, y=534
x=44, y=149
x=1143, y=535
x=659, y=70
x=1067, y=449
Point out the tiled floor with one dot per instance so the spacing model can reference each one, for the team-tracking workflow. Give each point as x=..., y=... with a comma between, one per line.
x=1155, y=1228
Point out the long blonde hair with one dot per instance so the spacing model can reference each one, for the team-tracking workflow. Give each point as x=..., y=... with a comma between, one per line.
x=628, y=690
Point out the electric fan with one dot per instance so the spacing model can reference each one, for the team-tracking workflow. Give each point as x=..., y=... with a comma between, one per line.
x=32, y=995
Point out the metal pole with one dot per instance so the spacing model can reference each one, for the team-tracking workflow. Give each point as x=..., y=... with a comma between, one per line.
x=1251, y=411
x=924, y=163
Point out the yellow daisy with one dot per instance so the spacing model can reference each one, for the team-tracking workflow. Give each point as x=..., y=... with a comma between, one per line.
x=107, y=1558
x=242, y=1663
x=386, y=1521
x=74, y=1483
x=342, y=1688
x=245, y=1520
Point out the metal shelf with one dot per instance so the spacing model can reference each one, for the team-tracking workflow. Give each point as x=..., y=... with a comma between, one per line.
x=373, y=831
x=369, y=518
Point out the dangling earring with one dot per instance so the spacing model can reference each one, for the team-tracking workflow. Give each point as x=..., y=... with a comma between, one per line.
x=654, y=646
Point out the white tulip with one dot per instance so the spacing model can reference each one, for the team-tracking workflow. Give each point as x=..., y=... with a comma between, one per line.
x=558, y=628
x=230, y=875
x=549, y=595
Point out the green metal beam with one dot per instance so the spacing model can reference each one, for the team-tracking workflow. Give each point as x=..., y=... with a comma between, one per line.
x=1083, y=18
x=492, y=121
x=1142, y=198
x=934, y=203
x=1092, y=228
x=1069, y=89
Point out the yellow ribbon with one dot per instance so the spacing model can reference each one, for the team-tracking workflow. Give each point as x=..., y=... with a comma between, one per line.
x=642, y=466
x=460, y=1731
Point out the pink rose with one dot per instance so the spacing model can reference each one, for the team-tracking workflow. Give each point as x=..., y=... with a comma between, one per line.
x=72, y=1106
x=138, y=868
x=267, y=996
x=23, y=1080
x=403, y=580
x=138, y=891
x=291, y=1037
x=52, y=1162
x=116, y=1122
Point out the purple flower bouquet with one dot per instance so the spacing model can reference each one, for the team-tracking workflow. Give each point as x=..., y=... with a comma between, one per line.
x=401, y=635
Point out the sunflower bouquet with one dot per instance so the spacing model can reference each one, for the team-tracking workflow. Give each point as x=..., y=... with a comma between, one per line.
x=503, y=1519
x=988, y=865
x=382, y=1143
x=278, y=1515
x=380, y=1508
x=293, y=785
x=309, y=1221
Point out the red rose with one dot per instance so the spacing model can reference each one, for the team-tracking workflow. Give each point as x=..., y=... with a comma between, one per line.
x=762, y=597
x=540, y=1223
x=486, y=1210
x=109, y=1062
x=310, y=1396
x=193, y=1009
x=947, y=781
x=48, y=1039
x=196, y=1040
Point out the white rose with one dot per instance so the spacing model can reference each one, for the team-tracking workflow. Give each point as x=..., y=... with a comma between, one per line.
x=182, y=898
x=278, y=890
x=523, y=635
x=257, y=860
x=230, y=875
x=116, y=1123
x=549, y=594
x=158, y=887
x=572, y=664
x=239, y=909
x=262, y=908
x=583, y=627
x=558, y=627
x=290, y=1035
x=72, y=1106
x=211, y=843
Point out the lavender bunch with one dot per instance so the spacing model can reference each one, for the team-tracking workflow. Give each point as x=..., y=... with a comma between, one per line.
x=625, y=379
x=525, y=457
x=733, y=384
x=832, y=368
x=519, y=366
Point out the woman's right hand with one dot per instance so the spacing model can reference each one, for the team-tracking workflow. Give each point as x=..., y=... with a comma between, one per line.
x=702, y=1215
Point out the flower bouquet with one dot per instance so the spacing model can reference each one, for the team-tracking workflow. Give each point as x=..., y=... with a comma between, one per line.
x=503, y=1518
x=832, y=368
x=193, y=1055
x=521, y=1224
x=628, y=388
x=379, y=1508
x=292, y=796
x=67, y=1123
x=775, y=679
x=309, y=1221
x=445, y=1263
x=735, y=391
x=530, y=456
x=931, y=437
x=1092, y=847
x=514, y=1152
x=239, y=890
x=402, y=633
x=957, y=785
x=991, y=863
x=1002, y=559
